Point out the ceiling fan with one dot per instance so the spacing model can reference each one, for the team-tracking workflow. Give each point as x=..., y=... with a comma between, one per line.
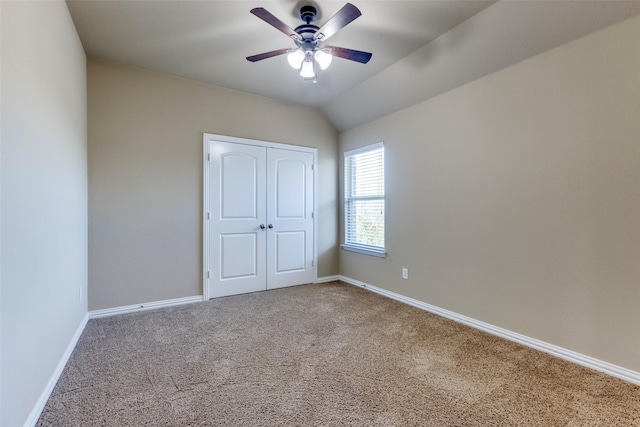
x=309, y=39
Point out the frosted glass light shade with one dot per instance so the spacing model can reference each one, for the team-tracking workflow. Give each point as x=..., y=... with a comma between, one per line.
x=307, y=70
x=323, y=58
x=295, y=58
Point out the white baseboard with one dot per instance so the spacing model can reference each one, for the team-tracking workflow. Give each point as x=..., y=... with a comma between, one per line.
x=46, y=393
x=563, y=353
x=326, y=279
x=144, y=306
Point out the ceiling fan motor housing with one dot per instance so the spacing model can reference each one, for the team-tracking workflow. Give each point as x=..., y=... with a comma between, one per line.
x=308, y=14
x=308, y=30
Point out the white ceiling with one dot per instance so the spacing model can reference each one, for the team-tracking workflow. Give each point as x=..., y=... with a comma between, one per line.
x=209, y=40
x=420, y=48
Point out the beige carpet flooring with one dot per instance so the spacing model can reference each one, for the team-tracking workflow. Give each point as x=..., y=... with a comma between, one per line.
x=320, y=355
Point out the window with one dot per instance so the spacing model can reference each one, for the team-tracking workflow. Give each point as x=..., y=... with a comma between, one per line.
x=364, y=200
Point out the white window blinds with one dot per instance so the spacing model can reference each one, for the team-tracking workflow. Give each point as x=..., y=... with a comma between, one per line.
x=364, y=199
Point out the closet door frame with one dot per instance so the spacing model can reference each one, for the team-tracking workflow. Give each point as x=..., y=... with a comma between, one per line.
x=208, y=139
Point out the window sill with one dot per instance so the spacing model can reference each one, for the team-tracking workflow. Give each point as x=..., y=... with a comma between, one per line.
x=365, y=251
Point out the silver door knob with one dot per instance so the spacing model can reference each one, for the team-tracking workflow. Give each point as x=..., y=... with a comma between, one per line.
x=262, y=226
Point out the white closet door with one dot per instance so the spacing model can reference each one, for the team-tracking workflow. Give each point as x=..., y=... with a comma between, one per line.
x=290, y=218
x=237, y=208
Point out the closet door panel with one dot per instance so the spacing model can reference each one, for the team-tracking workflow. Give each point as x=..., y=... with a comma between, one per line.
x=290, y=218
x=237, y=210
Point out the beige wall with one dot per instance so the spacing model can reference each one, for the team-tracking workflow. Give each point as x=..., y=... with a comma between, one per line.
x=515, y=199
x=145, y=177
x=44, y=199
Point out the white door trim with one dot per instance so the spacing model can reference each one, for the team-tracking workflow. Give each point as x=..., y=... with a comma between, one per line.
x=206, y=166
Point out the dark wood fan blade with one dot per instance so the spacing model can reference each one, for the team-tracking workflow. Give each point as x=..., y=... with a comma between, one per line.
x=267, y=17
x=343, y=17
x=353, y=55
x=265, y=55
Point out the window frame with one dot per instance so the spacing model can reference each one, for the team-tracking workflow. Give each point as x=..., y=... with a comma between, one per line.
x=378, y=251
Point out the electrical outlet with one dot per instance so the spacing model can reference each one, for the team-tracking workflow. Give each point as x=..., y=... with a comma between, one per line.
x=80, y=293
x=405, y=273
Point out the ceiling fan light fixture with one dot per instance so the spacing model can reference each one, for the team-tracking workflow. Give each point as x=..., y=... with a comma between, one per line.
x=307, y=70
x=295, y=58
x=323, y=59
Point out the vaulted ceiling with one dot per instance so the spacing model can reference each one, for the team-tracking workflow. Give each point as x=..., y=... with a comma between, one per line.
x=420, y=48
